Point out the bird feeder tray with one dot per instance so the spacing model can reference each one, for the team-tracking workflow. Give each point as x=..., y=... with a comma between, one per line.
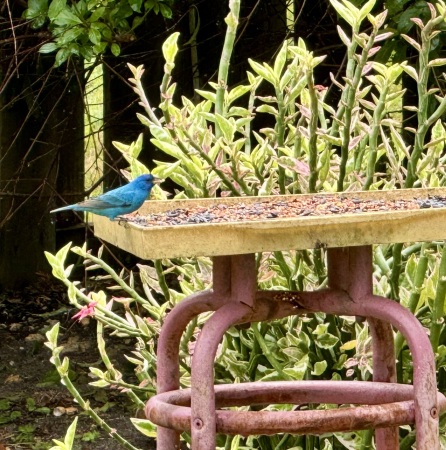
x=242, y=225
x=232, y=230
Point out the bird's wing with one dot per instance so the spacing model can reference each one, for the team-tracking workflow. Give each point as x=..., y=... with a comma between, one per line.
x=103, y=202
x=123, y=196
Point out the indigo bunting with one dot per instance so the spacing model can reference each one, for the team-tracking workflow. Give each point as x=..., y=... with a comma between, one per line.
x=117, y=202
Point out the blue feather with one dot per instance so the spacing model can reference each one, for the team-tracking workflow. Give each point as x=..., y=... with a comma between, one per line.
x=117, y=202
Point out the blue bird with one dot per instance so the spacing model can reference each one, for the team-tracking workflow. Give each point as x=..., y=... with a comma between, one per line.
x=117, y=202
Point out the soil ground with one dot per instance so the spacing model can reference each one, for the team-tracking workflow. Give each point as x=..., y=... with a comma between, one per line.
x=34, y=407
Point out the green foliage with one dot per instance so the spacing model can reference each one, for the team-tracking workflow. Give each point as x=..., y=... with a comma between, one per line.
x=358, y=143
x=87, y=28
x=67, y=443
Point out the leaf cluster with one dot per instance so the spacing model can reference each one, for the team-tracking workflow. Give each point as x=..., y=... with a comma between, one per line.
x=88, y=28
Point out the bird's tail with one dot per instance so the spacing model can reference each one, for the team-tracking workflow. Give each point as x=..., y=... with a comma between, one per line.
x=64, y=208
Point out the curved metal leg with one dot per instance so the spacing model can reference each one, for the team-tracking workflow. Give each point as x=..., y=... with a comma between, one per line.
x=384, y=369
x=233, y=278
x=425, y=389
x=351, y=269
x=203, y=419
x=424, y=376
x=168, y=371
x=354, y=266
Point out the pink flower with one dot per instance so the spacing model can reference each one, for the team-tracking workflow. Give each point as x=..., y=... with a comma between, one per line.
x=86, y=311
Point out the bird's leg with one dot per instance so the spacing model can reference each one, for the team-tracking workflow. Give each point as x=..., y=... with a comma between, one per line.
x=120, y=219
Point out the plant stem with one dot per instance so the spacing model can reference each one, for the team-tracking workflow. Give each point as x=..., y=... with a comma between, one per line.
x=247, y=129
x=439, y=303
x=354, y=73
x=423, y=101
x=162, y=279
x=366, y=441
x=319, y=265
x=223, y=69
x=373, y=139
x=312, y=142
x=423, y=124
x=108, y=317
x=414, y=298
x=124, y=286
x=211, y=163
x=139, y=89
x=297, y=151
x=396, y=271
x=85, y=405
x=267, y=352
x=237, y=177
x=381, y=261
x=285, y=270
x=280, y=133
x=418, y=281
x=408, y=441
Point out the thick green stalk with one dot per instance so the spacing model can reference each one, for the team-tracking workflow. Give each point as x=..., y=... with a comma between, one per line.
x=285, y=269
x=280, y=132
x=267, y=352
x=423, y=100
x=223, y=69
x=420, y=276
x=282, y=442
x=359, y=152
x=373, y=139
x=247, y=128
x=139, y=89
x=408, y=441
x=164, y=85
x=425, y=125
x=418, y=282
x=255, y=356
x=366, y=441
x=346, y=137
x=396, y=271
x=350, y=70
x=439, y=303
x=415, y=248
x=101, y=347
x=237, y=178
x=161, y=279
x=417, y=285
x=297, y=151
x=310, y=442
x=187, y=335
x=312, y=143
x=349, y=73
x=280, y=122
x=319, y=265
x=381, y=261
x=194, y=59
x=350, y=98
x=423, y=121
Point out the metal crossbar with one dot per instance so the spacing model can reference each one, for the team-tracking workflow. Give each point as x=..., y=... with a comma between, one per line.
x=382, y=403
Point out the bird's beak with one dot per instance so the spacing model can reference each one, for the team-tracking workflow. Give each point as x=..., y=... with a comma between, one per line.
x=157, y=180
